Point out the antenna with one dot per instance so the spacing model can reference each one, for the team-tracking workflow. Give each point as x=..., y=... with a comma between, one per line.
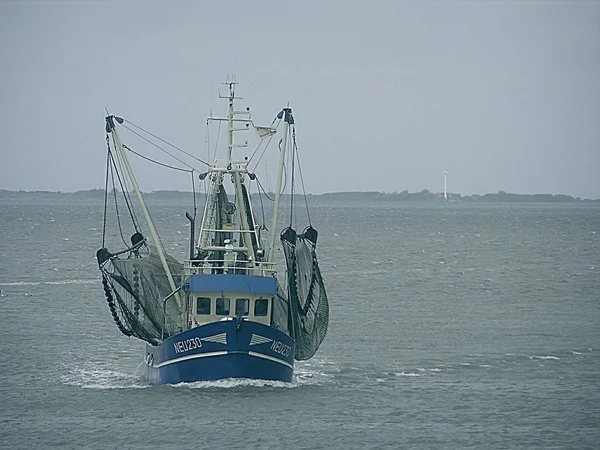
x=230, y=82
x=445, y=173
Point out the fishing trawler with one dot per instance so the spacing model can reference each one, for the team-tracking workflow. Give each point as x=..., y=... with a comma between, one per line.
x=226, y=311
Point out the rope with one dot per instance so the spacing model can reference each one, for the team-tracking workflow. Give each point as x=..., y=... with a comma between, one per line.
x=163, y=141
x=157, y=162
x=293, y=172
x=106, y=190
x=301, y=177
x=128, y=202
x=266, y=146
x=263, y=189
x=112, y=175
x=160, y=148
x=207, y=141
x=262, y=207
x=217, y=141
x=194, y=194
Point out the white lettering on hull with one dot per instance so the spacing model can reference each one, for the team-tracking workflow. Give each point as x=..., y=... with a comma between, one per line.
x=187, y=345
x=281, y=348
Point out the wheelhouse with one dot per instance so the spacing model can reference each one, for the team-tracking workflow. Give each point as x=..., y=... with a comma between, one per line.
x=211, y=306
x=213, y=297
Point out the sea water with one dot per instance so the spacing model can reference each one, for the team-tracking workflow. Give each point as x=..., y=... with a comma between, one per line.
x=452, y=326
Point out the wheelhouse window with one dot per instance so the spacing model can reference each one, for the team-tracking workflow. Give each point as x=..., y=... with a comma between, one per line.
x=203, y=306
x=242, y=307
x=261, y=307
x=222, y=306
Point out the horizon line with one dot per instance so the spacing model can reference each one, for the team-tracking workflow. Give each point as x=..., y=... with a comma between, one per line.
x=423, y=191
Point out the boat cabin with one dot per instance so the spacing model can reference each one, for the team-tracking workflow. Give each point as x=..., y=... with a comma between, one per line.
x=214, y=297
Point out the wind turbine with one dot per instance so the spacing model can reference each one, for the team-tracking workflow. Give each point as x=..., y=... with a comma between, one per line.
x=445, y=173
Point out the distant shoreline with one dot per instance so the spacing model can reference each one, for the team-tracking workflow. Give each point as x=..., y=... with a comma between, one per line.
x=404, y=196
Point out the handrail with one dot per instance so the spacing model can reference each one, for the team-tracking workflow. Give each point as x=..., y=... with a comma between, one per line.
x=201, y=262
x=194, y=266
x=225, y=230
x=162, y=331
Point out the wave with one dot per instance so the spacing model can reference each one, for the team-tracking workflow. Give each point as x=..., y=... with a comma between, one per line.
x=102, y=378
x=37, y=283
x=544, y=357
x=234, y=383
x=92, y=377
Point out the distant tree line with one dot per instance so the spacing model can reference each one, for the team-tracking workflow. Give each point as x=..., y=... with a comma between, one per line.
x=424, y=196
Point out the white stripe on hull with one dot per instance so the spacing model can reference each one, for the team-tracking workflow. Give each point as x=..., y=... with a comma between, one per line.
x=205, y=355
x=185, y=358
x=270, y=358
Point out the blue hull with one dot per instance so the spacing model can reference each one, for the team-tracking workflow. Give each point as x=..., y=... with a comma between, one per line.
x=220, y=350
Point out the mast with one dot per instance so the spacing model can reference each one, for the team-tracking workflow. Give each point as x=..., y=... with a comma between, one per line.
x=237, y=170
x=230, y=122
x=157, y=243
x=288, y=119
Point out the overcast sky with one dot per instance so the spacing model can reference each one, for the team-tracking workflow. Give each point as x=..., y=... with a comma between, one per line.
x=386, y=95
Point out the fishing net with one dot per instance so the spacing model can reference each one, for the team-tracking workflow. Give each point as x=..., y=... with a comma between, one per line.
x=309, y=315
x=135, y=285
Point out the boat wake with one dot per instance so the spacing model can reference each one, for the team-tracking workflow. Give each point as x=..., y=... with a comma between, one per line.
x=102, y=378
x=88, y=377
x=305, y=374
x=230, y=383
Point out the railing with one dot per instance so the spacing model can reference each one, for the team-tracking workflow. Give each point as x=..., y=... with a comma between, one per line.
x=228, y=266
x=162, y=331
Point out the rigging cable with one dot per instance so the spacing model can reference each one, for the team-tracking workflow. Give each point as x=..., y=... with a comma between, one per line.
x=263, y=190
x=158, y=147
x=292, y=181
x=301, y=177
x=266, y=146
x=217, y=141
x=262, y=207
x=158, y=162
x=119, y=168
x=126, y=196
x=202, y=186
x=112, y=175
x=106, y=190
x=162, y=140
x=190, y=171
x=194, y=194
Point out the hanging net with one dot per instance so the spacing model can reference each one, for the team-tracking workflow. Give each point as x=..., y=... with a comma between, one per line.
x=309, y=314
x=136, y=285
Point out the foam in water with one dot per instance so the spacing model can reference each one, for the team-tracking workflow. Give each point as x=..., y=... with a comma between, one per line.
x=302, y=377
x=95, y=376
x=406, y=374
x=234, y=383
x=37, y=283
x=544, y=357
x=102, y=378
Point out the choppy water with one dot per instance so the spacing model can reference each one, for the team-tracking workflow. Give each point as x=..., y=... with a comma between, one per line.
x=451, y=327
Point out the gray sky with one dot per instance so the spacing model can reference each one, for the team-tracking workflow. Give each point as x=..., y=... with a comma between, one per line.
x=386, y=95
